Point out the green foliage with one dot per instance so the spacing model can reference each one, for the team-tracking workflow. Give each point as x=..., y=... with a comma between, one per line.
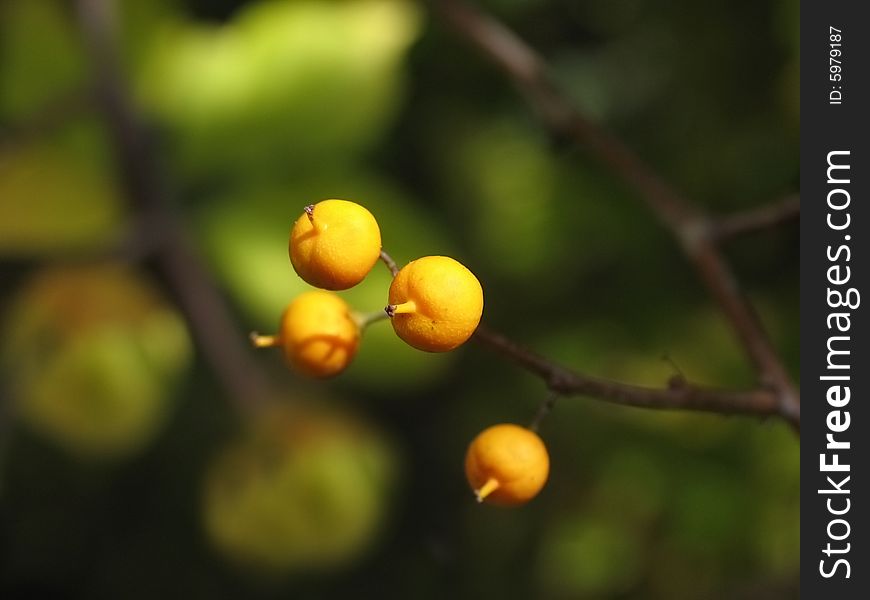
x=286, y=85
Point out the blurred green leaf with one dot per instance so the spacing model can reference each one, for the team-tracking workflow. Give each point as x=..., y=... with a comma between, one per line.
x=285, y=85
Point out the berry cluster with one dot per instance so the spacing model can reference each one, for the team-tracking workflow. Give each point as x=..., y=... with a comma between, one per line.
x=434, y=304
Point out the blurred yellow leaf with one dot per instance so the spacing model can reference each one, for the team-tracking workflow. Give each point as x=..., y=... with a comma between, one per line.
x=53, y=199
x=301, y=490
x=91, y=353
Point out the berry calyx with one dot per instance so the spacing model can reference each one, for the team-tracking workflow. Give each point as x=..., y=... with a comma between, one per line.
x=435, y=303
x=318, y=334
x=334, y=244
x=507, y=465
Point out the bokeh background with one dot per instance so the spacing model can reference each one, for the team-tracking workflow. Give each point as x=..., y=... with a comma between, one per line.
x=128, y=471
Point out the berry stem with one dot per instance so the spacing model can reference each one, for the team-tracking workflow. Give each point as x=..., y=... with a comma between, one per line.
x=363, y=320
x=264, y=341
x=486, y=489
x=545, y=409
x=401, y=309
x=309, y=211
x=391, y=264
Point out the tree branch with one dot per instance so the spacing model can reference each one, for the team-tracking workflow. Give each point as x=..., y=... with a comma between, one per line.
x=689, y=225
x=222, y=345
x=756, y=219
x=680, y=395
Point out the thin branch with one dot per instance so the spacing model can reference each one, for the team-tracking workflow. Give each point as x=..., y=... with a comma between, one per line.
x=680, y=395
x=213, y=328
x=688, y=224
x=757, y=219
x=391, y=264
x=544, y=410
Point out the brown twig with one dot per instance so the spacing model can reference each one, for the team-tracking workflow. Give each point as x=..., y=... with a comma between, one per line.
x=756, y=219
x=690, y=226
x=680, y=395
x=544, y=410
x=222, y=345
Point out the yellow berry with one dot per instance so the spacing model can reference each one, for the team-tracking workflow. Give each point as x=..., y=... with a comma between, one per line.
x=435, y=303
x=507, y=465
x=318, y=334
x=334, y=244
